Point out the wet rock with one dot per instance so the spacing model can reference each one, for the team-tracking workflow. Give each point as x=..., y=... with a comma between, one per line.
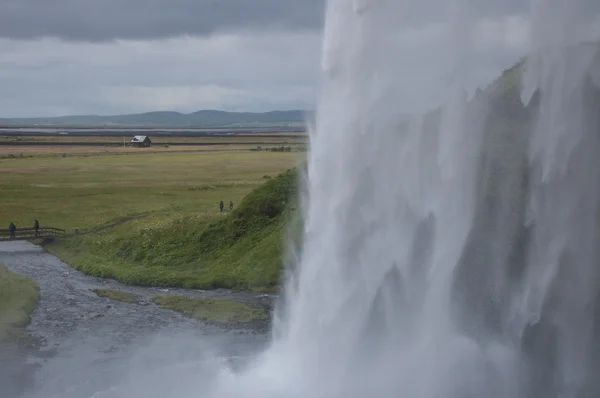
x=109, y=350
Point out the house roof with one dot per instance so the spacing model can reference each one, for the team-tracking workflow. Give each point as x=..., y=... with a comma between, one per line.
x=139, y=138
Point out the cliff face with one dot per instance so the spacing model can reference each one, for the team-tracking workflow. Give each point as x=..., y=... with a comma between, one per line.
x=500, y=247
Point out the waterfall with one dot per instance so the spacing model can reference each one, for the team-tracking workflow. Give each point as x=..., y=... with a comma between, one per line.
x=452, y=253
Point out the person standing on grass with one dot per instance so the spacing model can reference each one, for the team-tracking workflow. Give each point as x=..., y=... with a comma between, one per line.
x=36, y=226
x=230, y=205
x=12, y=228
x=221, y=206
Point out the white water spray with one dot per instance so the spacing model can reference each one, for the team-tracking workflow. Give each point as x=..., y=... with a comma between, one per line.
x=436, y=264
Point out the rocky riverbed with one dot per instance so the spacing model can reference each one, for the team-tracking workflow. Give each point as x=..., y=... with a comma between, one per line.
x=84, y=344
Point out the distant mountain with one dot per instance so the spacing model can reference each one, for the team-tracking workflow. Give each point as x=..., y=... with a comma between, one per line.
x=203, y=118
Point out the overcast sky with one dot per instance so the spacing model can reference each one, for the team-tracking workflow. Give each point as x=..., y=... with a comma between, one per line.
x=122, y=56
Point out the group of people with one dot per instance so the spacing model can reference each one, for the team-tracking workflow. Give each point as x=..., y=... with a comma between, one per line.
x=221, y=205
x=12, y=228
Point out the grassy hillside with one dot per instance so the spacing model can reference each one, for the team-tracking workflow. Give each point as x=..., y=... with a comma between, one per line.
x=18, y=298
x=243, y=250
x=203, y=118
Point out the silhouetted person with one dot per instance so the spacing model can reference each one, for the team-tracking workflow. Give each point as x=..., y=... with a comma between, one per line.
x=12, y=228
x=230, y=205
x=36, y=226
x=221, y=206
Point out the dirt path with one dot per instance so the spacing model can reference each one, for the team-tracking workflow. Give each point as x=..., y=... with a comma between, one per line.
x=71, y=318
x=120, y=221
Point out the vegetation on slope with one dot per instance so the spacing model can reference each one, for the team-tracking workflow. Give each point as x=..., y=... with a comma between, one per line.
x=116, y=295
x=214, y=310
x=19, y=296
x=242, y=251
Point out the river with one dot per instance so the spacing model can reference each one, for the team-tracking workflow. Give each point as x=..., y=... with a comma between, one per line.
x=86, y=344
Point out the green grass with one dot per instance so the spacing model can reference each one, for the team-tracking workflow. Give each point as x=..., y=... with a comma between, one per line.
x=242, y=250
x=219, y=311
x=509, y=83
x=19, y=296
x=116, y=295
x=87, y=192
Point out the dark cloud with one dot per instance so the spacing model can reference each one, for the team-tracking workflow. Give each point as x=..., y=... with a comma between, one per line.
x=104, y=20
x=232, y=59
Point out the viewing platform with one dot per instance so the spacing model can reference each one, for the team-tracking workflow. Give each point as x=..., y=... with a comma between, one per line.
x=30, y=233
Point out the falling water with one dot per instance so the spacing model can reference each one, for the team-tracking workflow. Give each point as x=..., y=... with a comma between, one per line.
x=452, y=254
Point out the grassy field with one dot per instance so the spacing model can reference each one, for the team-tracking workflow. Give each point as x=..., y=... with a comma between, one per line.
x=218, y=311
x=18, y=298
x=279, y=138
x=45, y=151
x=174, y=234
x=87, y=192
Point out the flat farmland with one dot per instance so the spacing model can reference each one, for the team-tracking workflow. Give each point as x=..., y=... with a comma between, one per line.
x=51, y=145
x=84, y=192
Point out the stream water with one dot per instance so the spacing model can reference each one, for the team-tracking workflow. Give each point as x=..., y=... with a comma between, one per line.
x=86, y=343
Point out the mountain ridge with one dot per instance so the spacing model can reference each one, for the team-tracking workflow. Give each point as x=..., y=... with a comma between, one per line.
x=200, y=118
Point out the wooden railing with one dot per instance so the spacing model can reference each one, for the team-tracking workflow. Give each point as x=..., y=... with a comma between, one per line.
x=30, y=233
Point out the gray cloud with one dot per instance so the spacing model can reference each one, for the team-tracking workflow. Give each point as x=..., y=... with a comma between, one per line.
x=120, y=58
x=105, y=20
x=255, y=71
x=250, y=72
x=102, y=20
